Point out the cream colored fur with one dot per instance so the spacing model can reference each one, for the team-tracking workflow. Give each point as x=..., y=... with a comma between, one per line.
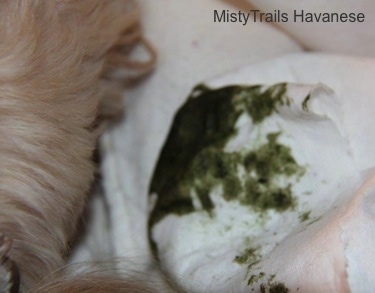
x=55, y=57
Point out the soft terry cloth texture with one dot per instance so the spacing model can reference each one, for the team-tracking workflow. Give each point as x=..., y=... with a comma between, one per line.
x=192, y=49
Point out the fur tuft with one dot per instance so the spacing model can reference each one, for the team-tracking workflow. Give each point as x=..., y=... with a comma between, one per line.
x=56, y=58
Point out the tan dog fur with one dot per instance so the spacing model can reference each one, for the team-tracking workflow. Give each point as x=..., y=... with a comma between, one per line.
x=55, y=56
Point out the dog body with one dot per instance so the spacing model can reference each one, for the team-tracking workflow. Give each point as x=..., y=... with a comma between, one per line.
x=54, y=57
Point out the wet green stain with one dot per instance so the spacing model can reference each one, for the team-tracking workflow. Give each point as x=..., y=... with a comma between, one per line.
x=268, y=284
x=205, y=121
x=255, y=278
x=274, y=288
x=305, y=216
x=264, y=166
x=250, y=255
x=193, y=160
x=305, y=103
x=261, y=103
x=278, y=288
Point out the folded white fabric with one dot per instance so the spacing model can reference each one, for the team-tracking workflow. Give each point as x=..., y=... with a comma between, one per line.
x=310, y=242
x=191, y=48
x=253, y=190
x=310, y=225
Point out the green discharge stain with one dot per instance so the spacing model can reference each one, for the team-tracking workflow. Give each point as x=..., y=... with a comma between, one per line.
x=274, y=288
x=212, y=167
x=268, y=163
x=278, y=288
x=204, y=121
x=305, y=102
x=261, y=104
x=271, y=286
x=255, y=278
x=204, y=197
x=193, y=157
x=304, y=216
x=272, y=159
x=250, y=255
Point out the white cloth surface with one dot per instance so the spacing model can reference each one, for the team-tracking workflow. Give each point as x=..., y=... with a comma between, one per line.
x=192, y=49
